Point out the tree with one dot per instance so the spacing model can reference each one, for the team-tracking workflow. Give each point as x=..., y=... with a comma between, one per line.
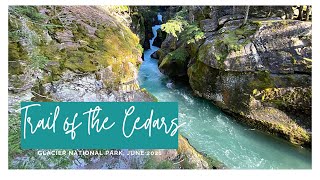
x=191, y=12
x=308, y=13
x=246, y=15
x=300, y=17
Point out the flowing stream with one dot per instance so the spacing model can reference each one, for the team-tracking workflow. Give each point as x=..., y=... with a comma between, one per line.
x=211, y=131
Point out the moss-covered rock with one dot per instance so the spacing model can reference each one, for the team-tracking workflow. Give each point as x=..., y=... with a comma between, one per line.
x=185, y=157
x=276, y=122
x=231, y=50
x=193, y=159
x=250, y=69
x=168, y=45
x=87, y=40
x=175, y=63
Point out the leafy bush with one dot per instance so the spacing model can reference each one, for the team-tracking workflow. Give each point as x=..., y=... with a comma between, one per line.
x=173, y=27
x=179, y=27
x=192, y=33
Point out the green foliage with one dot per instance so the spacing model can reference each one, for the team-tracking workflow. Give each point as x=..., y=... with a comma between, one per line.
x=179, y=27
x=32, y=159
x=255, y=91
x=150, y=164
x=14, y=36
x=179, y=54
x=140, y=48
x=172, y=27
x=182, y=14
x=262, y=81
x=192, y=33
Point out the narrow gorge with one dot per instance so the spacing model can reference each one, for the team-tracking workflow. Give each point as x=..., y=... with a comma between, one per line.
x=241, y=76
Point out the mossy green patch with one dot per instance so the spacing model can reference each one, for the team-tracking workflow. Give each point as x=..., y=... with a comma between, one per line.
x=228, y=41
x=79, y=31
x=294, y=133
x=100, y=33
x=292, y=100
x=121, y=44
x=261, y=81
x=79, y=60
x=178, y=56
x=16, y=54
x=200, y=74
x=286, y=130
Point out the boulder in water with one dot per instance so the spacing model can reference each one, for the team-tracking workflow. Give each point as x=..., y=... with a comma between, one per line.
x=155, y=55
x=161, y=36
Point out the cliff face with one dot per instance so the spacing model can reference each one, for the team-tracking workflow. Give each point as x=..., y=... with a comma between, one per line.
x=71, y=53
x=259, y=71
x=264, y=76
x=143, y=18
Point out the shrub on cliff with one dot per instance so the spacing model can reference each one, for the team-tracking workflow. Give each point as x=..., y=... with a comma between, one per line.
x=181, y=28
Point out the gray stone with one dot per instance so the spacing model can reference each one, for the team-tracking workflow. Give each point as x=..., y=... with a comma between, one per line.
x=224, y=19
x=208, y=25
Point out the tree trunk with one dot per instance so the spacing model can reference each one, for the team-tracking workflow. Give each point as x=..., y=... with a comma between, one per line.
x=300, y=17
x=308, y=13
x=129, y=9
x=246, y=15
x=289, y=12
x=191, y=16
